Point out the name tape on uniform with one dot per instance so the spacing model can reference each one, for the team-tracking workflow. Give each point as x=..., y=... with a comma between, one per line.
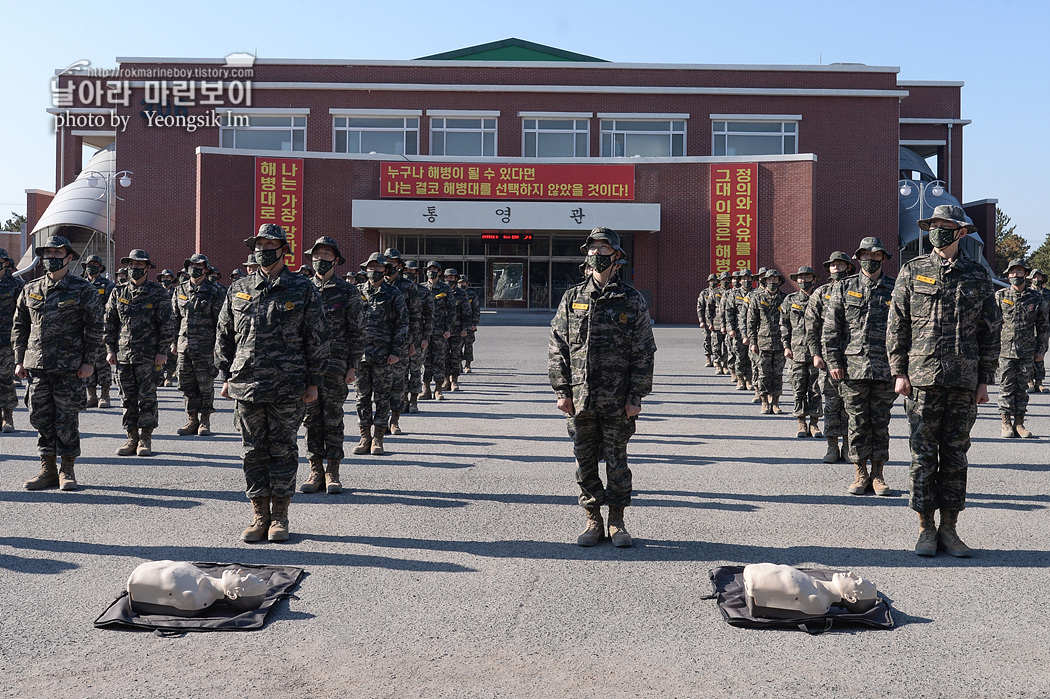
x=580, y=306
x=928, y=280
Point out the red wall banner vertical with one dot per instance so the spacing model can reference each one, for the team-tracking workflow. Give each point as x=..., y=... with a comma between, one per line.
x=279, y=199
x=734, y=217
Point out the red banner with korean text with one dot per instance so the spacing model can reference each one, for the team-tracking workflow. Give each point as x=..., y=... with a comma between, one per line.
x=550, y=182
x=279, y=199
x=734, y=217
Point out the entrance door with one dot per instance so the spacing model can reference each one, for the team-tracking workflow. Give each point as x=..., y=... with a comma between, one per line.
x=508, y=283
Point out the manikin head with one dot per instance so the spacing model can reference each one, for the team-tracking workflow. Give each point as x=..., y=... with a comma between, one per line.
x=858, y=595
x=244, y=591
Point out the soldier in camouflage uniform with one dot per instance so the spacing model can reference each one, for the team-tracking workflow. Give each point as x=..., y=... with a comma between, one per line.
x=943, y=342
x=735, y=318
x=325, y=430
x=1038, y=281
x=138, y=335
x=415, y=362
x=386, y=324
x=195, y=306
x=796, y=348
x=701, y=316
x=601, y=366
x=250, y=265
x=435, y=363
x=415, y=299
x=167, y=280
x=461, y=319
x=10, y=288
x=839, y=267
x=271, y=349
x=764, y=338
x=101, y=380
x=1023, y=340
x=726, y=292
x=854, y=339
x=475, y=319
x=56, y=336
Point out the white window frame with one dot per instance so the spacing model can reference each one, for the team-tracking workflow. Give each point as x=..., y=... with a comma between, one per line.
x=291, y=114
x=727, y=132
x=445, y=115
x=347, y=114
x=574, y=117
x=613, y=125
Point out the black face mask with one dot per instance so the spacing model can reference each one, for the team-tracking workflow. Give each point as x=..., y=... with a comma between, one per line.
x=773, y=287
x=375, y=275
x=267, y=258
x=1017, y=281
x=712, y=285
x=871, y=266
x=54, y=264
x=942, y=237
x=166, y=283
x=599, y=263
x=137, y=273
x=196, y=272
x=93, y=270
x=323, y=267
x=432, y=274
x=839, y=276
x=805, y=286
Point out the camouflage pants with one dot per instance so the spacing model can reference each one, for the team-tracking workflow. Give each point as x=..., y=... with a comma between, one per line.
x=102, y=376
x=718, y=348
x=373, y=385
x=138, y=388
x=730, y=349
x=399, y=383
x=771, y=372
x=595, y=437
x=941, y=420
x=197, y=374
x=807, y=394
x=324, y=419
x=455, y=355
x=1013, y=378
x=8, y=396
x=436, y=361
x=868, y=405
x=743, y=358
x=708, y=342
x=270, y=451
x=53, y=399
x=172, y=364
x=468, y=346
x=415, y=370
x=1040, y=371
x=835, y=424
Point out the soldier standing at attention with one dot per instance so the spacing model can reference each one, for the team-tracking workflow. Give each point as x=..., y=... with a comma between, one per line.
x=195, y=306
x=385, y=321
x=100, y=382
x=736, y=313
x=475, y=319
x=796, y=348
x=1023, y=341
x=436, y=363
x=250, y=265
x=10, y=288
x=461, y=319
x=854, y=339
x=943, y=342
x=415, y=299
x=600, y=363
x=57, y=336
x=138, y=334
x=325, y=429
x=1038, y=280
x=764, y=338
x=701, y=315
x=167, y=280
x=271, y=348
x=839, y=267
x=416, y=361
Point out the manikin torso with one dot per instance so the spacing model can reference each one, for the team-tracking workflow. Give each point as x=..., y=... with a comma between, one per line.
x=784, y=587
x=186, y=587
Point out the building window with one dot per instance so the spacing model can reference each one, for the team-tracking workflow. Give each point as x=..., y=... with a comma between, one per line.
x=257, y=132
x=754, y=137
x=648, y=139
x=369, y=134
x=474, y=136
x=556, y=138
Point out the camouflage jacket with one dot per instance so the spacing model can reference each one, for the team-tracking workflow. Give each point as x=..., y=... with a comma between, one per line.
x=736, y=312
x=793, y=327
x=414, y=300
x=57, y=325
x=711, y=306
x=138, y=323
x=195, y=310
x=724, y=296
x=428, y=314
x=944, y=324
x=763, y=320
x=475, y=307
x=701, y=306
x=105, y=287
x=602, y=348
x=272, y=338
x=344, y=311
x=461, y=311
x=1025, y=329
x=854, y=332
x=10, y=288
x=441, y=294
x=1045, y=293
x=385, y=325
x=815, y=318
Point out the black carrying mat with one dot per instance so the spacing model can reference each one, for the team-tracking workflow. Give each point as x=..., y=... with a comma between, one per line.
x=728, y=584
x=280, y=580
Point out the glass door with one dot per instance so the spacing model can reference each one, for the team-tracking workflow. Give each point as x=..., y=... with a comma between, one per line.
x=507, y=283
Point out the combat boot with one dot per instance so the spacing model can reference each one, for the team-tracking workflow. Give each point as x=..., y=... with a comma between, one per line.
x=845, y=448
x=814, y=427
x=765, y=404
x=1032, y=388
x=316, y=480
x=454, y=383
x=833, y=455
x=426, y=394
x=1008, y=426
x=447, y=385
x=92, y=397
x=1019, y=427
x=927, y=544
x=741, y=385
x=66, y=479
x=595, y=529
x=757, y=398
x=191, y=426
x=438, y=395
x=466, y=367
x=708, y=362
x=394, y=427
x=732, y=375
x=1042, y=388
x=278, y=519
x=332, y=484
x=949, y=538
x=377, y=441
x=48, y=476
x=774, y=404
x=413, y=405
x=131, y=446
x=103, y=401
x=878, y=482
x=8, y=420
x=365, y=445
x=205, y=427
x=617, y=531
x=861, y=480
x=803, y=431
x=145, y=442
x=257, y=530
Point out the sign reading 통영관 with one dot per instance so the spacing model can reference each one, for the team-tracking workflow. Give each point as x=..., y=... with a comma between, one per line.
x=279, y=199
x=734, y=217
x=535, y=181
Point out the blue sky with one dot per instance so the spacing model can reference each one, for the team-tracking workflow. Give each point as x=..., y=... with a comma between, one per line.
x=999, y=49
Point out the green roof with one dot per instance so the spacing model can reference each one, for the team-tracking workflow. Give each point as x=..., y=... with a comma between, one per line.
x=510, y=50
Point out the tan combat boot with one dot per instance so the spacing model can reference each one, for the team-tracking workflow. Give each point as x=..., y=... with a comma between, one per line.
x=757, y=398
x=617, y=531
x=48, y=476
x=774, y=404
x=595, y=529
x=377, y=441
x=861, y=480
x=257, y=530
x=1008, y=426
x=66, y=479
x=333, y=486
x=814, y=427
x=145, y=442
x=131, y=446
x=927, y=544
x=191, y=426
x=1019, y=427
x=845, y=448
x=765, y=404
x=413, y=405
x=438, y=395
x=741, y=384
x=878, y=482
x=949, y=538
x=803, y=430
x=104, y=401
x=833, y=455
x=365, y=445
x=448, y=384
x=466, y=367
x=426, y=394
x=453, y=384
x=394, y=417
x=92, y=397
x=205, y=427
x=316, y=480
x=8, y=420
x=708, y=363
x=279, y=519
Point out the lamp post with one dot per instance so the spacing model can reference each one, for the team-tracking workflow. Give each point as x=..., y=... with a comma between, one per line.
x=935, y=188
x=93, y=180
